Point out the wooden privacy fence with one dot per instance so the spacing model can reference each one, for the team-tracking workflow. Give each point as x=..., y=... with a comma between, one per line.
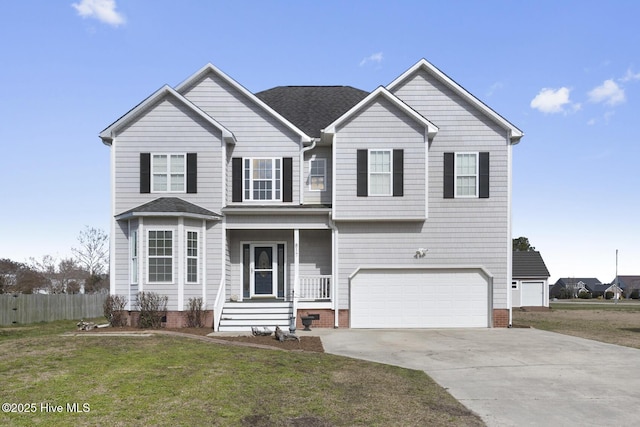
x=23, y=309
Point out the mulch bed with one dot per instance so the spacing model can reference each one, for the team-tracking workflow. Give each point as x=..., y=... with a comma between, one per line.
x=313, y=344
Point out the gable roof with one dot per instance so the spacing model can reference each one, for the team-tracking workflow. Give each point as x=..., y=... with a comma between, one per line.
x=514, y=133
x=169, y=206
x=588, y=281
x=109, y=133
x=383, y=92
x=210, y=68
x=311, y=108
x=632, y=282
x=528, y=265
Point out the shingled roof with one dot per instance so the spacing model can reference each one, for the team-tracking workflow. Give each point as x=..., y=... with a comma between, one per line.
x=169, y=206
x=529, y=265
x=311, y=108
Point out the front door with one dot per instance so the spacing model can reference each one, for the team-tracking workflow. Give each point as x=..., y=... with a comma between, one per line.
x=264, y=269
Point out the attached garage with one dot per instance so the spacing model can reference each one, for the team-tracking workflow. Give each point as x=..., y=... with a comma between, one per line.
x=419, y=297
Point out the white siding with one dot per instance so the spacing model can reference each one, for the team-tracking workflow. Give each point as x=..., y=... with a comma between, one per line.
x=380, y=125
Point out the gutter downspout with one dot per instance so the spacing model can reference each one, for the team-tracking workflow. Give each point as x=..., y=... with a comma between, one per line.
x=301, y=180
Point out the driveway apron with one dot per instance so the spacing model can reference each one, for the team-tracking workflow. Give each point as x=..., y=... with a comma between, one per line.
x=511, y=377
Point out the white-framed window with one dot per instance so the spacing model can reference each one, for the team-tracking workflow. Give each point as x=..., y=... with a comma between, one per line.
x=192, y=257
x=262, y=179
x=160, y=256
x=466, y=175
x=317, y=174
x=168, y=173
x=380, y=172
x=134, y=256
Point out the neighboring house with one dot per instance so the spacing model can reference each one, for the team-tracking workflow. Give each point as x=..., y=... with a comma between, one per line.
x=388, y=209
x=630, y=285
x=570, y=287
x=530, y=280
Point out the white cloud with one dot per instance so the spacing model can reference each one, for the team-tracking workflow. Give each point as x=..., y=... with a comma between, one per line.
x=630, y=76
x=494, y=88
x=552, y=100
x=376, y=58
x=102, y=10
x=608, y=92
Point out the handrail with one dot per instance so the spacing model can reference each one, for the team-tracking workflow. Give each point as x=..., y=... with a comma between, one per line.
x=219, y=304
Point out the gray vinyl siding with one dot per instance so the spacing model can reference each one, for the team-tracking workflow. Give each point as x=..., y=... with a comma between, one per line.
x=315, y=252
x=318, y=197
x=258, y=133
x=168, y=127
x=381, y=125
x=459, y=231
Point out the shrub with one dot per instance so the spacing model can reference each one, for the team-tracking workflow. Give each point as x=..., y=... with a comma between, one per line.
x=195, y=313
x=153, y=309
x=608, y=295
x=635, y=294
x=114, y=310
x=584, y=295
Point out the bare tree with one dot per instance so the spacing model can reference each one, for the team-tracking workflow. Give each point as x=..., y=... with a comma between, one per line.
x=59, y=276
x=92, y=253
x=16, y=277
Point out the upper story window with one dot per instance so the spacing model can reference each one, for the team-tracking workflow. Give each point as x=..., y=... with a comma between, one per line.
x=380, y=172
x=262, y=179
x=317, y=174
x=466, y=174
x=168, y=173
x=380, y=178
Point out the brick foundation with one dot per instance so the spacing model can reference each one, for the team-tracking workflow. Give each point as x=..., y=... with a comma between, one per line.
x=327, y=318
x=175, y=319
x=500, y=318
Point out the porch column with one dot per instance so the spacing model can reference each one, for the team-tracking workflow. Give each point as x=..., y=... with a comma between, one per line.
x=296, y=269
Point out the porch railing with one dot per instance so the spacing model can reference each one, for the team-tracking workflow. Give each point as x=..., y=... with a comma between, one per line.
x=315, y=288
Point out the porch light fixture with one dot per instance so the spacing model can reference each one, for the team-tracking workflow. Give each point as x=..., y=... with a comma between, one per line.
x=421, y=252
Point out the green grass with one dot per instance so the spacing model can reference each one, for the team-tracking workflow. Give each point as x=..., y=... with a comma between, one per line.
x=606, y=322
x=168, y=380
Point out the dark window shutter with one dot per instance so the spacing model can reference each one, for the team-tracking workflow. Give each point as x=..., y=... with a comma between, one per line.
x=449, y=175
x=236, y=179
x=483, y=176
x=145, y=172
x=398, y=172
x=287, y=179
x=363, y=173
x=192, y=172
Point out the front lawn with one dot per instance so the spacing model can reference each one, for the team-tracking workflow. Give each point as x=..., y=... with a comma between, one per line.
x=606, y=321
x=168, y=380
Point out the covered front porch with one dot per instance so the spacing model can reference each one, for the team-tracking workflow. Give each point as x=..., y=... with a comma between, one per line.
x=270, y=269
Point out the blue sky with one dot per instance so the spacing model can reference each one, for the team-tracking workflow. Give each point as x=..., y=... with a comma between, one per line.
x=565, y=72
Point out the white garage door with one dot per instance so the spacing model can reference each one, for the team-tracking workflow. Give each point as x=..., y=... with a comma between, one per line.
x=532, y=294
x=419, y=298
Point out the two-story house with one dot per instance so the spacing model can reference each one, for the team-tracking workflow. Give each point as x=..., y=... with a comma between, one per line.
x=388, y=209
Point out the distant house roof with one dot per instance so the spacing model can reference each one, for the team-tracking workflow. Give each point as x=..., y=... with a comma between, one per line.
x=632, y=282
x=311, y=108
x=529, y=265
x=589, y=282
x=169, y=206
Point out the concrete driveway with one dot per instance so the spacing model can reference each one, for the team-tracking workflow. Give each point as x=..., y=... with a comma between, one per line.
x=511, y=377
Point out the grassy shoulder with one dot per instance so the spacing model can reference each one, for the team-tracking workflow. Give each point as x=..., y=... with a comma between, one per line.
x=167, y=380
x=606, y=322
